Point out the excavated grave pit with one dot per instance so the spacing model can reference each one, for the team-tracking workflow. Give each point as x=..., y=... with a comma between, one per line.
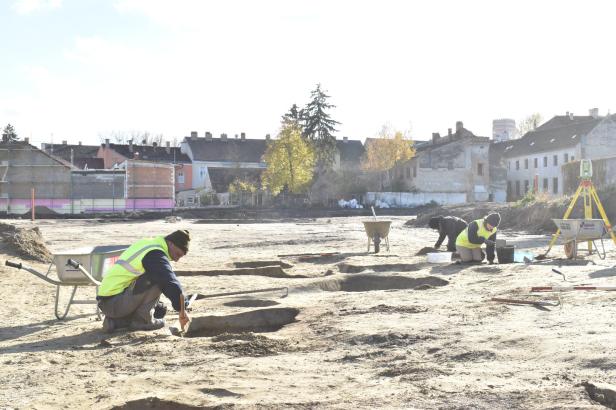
x=251, y=303
x=392, y=267
x=366, y=283
x=257, y=321
x=260, y=264
x=268, y=271
x=154, y=403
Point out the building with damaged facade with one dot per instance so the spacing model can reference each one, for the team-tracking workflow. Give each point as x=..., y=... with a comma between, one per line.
x=448, y=169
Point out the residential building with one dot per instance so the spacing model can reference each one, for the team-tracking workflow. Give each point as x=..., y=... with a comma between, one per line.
x=503, y=129
x=535, y=161
x=115, y=154
x=456, y=165
x=80, y=156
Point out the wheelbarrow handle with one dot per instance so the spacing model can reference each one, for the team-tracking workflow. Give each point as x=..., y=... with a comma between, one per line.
x=13, y=264
x=73, y=263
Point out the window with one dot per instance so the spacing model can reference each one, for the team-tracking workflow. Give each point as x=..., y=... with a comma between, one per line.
x=566, y=158
x=517, y=188
x=545, y=161
x=181, y=177
x=572, y=158
x=415, y=171
x=555, y=160
x=526, y=186
x=555, y=185
x=536, y=162
x=408, y=172
x=202, y=171
x=545, y=185
x=517, y=165
x=480, y=169
x=526, y=163
x=509, y=188
x=509, y=165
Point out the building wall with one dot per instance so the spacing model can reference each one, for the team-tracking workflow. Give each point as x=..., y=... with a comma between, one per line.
x=603, y=174
x=549, y=172
x=452, y=167
x=183, y=177
x=147, y=180
x=601, y=141
x=410, y=199
x=201, y=175
x=110, y=157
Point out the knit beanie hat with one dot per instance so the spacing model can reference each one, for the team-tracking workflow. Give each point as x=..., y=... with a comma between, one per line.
x=493, y=219
x=180, y=238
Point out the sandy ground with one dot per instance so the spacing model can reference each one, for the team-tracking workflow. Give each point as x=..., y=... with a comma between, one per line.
x=371, y=331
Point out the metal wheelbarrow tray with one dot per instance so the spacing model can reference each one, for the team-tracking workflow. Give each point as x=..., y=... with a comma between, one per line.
x=574, y=231
x=76, y=267
x=376, y=232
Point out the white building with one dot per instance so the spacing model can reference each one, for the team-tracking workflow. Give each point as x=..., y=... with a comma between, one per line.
x=503, y=129
x=535, y=161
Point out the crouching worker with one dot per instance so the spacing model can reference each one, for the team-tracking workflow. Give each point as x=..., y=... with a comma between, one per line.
x=447, y=226
x=476, y=234
x=131, y=288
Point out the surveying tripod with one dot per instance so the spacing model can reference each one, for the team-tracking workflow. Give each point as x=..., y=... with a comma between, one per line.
x=589, y=195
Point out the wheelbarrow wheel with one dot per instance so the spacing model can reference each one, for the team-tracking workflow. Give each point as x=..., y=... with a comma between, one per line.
x=570, y=249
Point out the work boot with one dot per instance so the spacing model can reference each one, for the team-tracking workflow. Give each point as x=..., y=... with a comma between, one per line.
x=155, y=324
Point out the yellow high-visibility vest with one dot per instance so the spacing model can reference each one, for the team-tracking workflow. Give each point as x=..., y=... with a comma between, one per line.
x=130, y=266
x=462, y=239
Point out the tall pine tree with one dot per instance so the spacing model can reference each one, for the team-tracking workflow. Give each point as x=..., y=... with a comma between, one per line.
x=9, y=134
x=293, y=117
x=319, y=127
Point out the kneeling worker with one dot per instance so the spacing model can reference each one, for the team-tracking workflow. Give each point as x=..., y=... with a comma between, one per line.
x=447, y=226
x=132, y=286
x=468, y=243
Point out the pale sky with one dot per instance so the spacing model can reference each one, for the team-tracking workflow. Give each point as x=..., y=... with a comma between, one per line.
x=77, y=69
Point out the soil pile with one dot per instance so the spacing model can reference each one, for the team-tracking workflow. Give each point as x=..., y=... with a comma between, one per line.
x=25, y=243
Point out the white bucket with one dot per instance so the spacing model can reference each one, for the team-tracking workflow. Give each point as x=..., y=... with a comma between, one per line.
x=439, y=257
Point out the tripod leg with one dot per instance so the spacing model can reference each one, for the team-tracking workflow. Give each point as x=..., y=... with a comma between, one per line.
x=593, y=192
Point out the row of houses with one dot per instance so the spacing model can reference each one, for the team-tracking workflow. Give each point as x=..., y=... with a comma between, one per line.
x=456, y=167
x=460, y=167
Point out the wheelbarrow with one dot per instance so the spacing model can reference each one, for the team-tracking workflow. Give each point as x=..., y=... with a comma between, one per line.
x=574, y=231
x=377, y=231
x=76, y=268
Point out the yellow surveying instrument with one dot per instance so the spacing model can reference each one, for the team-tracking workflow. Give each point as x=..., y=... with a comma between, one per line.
x=589, y=195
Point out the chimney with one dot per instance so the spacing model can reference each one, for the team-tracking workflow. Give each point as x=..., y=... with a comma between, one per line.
x=459, y=126
x=594, y=112
x=194, y=135
x=168, y=147
x=243, y=136
x=223, y=136
x=208, y=136
x=267, y=137
x=130, y=145
x=27, y=140
x=236, y=136
x=79, y=143
x=106, y=142
x=449, y=132
x=436, y=136
x=571, y=116
x=345, y=139
x=64, y=142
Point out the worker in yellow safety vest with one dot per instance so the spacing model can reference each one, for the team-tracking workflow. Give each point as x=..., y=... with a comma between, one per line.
x=477, y=233
x=129, y=293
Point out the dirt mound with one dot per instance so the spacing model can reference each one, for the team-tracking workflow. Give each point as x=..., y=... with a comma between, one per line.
x=263, y=320
x=251, y=303
x=249, y=344
x=391, y=339
x=25, y=243
x=366, y=283
x=154, y=403
x=384, y=309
